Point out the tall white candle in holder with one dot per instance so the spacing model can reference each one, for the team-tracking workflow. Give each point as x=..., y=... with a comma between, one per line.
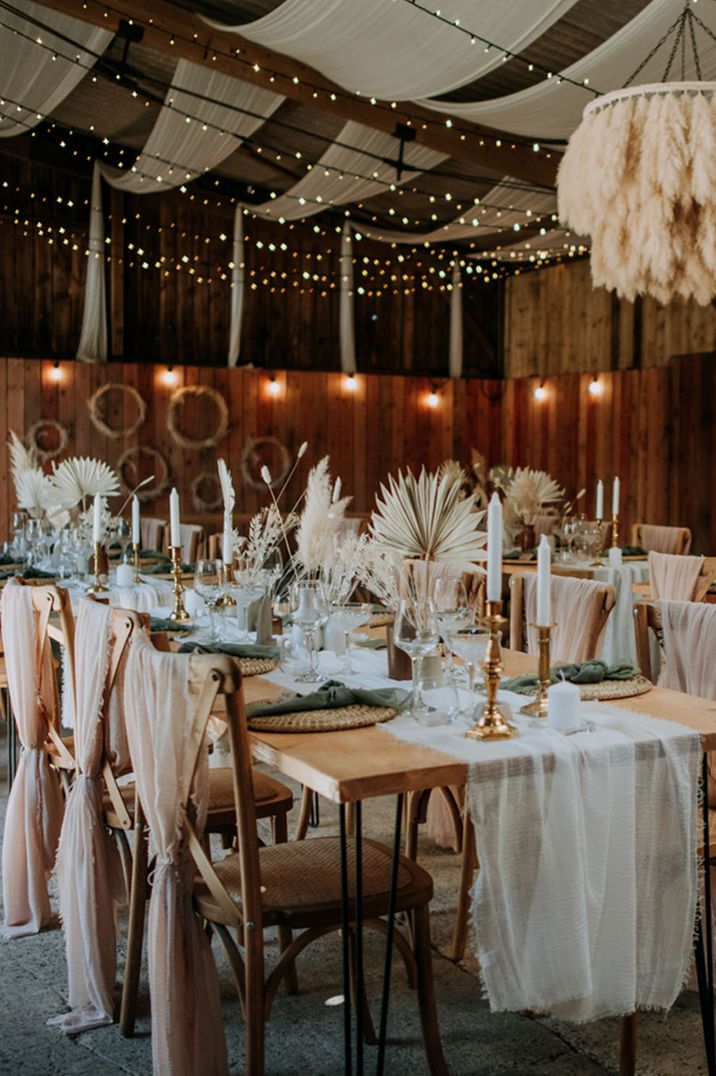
x=174, y=525
x=544, y=579
x=616, y=490
x=97, y=519
x=227, y=551
x=494, y=549
x=599, y=506
x=136, y=525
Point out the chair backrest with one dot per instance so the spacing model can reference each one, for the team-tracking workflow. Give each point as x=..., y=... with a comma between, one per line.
x=707, y=578
x=474, y=581
x=689, y=645
x=674, y=576
x=647, y=617
x=580, y=608
x=651, y=536
x=47, y=600
x=125, y=625
x=153, y=530
x=193, y=542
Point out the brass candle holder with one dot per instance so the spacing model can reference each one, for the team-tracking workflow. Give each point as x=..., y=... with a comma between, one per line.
x=135, y=557
x=98, y=586
x=492, y=723
x=596, y=563
x=227, y=600
x=178, y=613
x=615, y=531
x=538, y=708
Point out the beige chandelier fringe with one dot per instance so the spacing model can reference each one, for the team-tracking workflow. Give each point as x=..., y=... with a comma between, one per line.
x=639, y=177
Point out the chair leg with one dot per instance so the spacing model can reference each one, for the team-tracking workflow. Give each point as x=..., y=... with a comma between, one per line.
x=426, y=993
x=467, y=872
x=254, y=1000
x=304, y=814
x=125, y=859
x=627, y=1045
x=285, y=936
x=135, y=934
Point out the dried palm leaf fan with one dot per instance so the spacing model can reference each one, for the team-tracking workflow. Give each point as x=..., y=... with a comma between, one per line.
x=639, y=177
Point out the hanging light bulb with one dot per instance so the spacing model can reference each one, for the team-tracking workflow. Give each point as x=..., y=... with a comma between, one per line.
x=433, y=400
x=351, y=383
x=169, y=377
x=540, y=393
x=56, y=372
x=595, y=387
x=273, y=388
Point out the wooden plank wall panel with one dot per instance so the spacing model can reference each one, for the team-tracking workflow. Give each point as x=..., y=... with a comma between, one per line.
x=653, y=427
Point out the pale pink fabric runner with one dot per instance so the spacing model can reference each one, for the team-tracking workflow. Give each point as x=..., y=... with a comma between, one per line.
x=673, y=577
x=87, y=867
x=167, y=743
x=664, y=539
x=152, y=532
x=576, y=604
x=193, y=541
x=35, y=805
x=689, y=647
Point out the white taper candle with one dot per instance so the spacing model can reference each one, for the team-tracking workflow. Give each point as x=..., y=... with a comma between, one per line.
x=544, y=578
x=136, y=526
x=97, y=519
x=616, y=489
x=599, y=507
x=174, y=524
x=227, y=545
x=494, y=549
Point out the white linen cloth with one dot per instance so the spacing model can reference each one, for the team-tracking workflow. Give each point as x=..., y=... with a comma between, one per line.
x=689, y=647
x=35, y=805
x=673, y=576
x=87, y=867
x=168, y=749
x=619, y=642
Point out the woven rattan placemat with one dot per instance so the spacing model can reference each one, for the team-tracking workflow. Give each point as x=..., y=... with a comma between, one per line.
x=606, y=690
x=380, y=620
x=342, y=717
x=257, y=666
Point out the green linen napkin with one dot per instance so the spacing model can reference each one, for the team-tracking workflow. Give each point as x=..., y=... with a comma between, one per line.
x=235, y=650
x=633, y=551
x=164, y=568
x=330, y=696
x=153, y=554
x=372, y=644
x=585, y=672
x=159, y=623
x=27, y=573
x=6, y=558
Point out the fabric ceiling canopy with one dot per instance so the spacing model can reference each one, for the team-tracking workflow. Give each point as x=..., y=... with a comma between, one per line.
x=37, y=78
x=396, y=50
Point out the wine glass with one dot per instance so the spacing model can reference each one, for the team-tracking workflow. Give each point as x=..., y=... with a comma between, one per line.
x=121, y=536
x=310, y=612
x=349, y=616
x=272, y=567
x=453, y=611
x=470, y=644
x=208, y=585
x=248, y=588
x=415, y=631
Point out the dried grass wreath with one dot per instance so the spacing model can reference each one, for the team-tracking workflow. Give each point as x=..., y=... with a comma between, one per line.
x=279, y=470
x=176, y=402
x=93, y=405
x=161, y=472
x=35, y=432
x=206, y=504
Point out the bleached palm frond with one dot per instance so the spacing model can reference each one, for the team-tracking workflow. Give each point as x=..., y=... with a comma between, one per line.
x=33, y=491
x=530, y=492
x=452, y=471
x=321, y=519
x=227, y=489
x=21, y=459
x=429, y=518
x=78, y=478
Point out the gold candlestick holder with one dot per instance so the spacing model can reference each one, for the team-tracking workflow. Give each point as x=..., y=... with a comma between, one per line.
x=615, y=531
x=538, y=708
x=135, y=557
x=98, y=586
x=596, y=563
x=227, y=600
x=178, y=613
x=492, y=723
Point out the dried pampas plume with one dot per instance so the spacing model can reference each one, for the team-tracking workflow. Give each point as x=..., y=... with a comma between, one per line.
x=321, y=519
x=639, y=177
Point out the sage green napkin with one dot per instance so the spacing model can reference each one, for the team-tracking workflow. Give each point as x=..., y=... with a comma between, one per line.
x=372, y=644
x=235, y=650
x=330, y=696
x=633, y=551
x=585, y=672
x=164, y=568
x=158, y=623
x=6, y=558
x=153, y=554
x=27, y=573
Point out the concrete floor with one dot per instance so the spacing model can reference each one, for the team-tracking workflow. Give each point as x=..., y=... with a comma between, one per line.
x=304, y=1035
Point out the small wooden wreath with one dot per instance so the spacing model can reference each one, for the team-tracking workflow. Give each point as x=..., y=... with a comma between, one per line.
x=93, y=405
x=279, y=472
x=35, y=432
x=206, y=504
x=161, y=481
x=176, y=401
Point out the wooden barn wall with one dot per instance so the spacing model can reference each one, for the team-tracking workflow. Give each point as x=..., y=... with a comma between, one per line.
x=556, y=322
x=654, y=427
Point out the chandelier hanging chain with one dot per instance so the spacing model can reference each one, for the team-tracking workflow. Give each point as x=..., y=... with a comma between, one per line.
x=678, y=27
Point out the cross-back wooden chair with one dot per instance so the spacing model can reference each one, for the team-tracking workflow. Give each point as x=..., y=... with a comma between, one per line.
x=193, y=542
x=647, y=617
x=297, y=886
x=660, y=539
x=152, y=531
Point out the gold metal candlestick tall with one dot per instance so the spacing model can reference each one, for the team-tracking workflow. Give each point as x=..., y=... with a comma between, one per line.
x=538, y=708
x=227, y=600
x=98, y=586
x=135, y=551
x=615, y=531
x=492, y=724
x=178, y=613
x=596, y=563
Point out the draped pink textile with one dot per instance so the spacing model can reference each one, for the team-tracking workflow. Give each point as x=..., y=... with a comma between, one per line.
x=170, y=759
x=576, y=608
x=664, y=539
x=87, y=867
x=673, y=577
x=689, y=647
x=35, y=805
x=193, y=541
x=152, y=532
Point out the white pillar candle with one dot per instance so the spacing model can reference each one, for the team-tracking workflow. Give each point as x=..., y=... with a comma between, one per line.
x=615, y=497
x=227, y=550
x=615, y=557
x=544, y=579
x=125, y=575
x=563, y=706
x=174, y=524
x=494, y=549
x=136, y=526
x=599, y=507
x=97, y=519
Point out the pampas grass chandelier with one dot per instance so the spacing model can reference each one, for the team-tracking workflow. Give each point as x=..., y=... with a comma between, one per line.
x=639, y=177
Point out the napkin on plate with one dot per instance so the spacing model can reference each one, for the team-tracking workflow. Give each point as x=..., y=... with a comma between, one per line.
x=158, y=623
x=27, y=573
x=330, y=696
x=235, y=650
x=164, y=568
x=584, y=672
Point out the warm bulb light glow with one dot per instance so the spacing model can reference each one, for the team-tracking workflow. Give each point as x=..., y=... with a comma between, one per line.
x=540, y=393
x=433, y=399
x=273, y=388
x=169, y=376
x=56, y=373
x=595, y=387
x=351, y=383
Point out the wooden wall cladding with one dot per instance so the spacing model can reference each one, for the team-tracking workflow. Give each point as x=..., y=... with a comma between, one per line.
x=653, y=427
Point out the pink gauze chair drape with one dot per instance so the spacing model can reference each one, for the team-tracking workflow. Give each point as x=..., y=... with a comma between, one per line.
x=35, y=805
x=87, y=866
x=575, y=604
x=663, y=539
x=167, y=743
x=673, y=577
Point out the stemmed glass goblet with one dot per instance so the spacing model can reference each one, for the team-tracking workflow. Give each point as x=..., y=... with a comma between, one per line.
x=415, y=631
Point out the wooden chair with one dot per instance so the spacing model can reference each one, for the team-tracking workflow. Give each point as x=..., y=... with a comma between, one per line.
x=153, y=531
x=193, y=542
x=651, y=536
x=298, y=886
x=579, y=645
x=647, y=617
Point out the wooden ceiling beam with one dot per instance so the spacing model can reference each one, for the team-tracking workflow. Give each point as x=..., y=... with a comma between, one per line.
x=183, y=34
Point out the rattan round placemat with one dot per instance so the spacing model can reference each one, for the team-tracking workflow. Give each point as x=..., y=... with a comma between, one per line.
x=257, y=666
x=380, y=620
x=606, y=690
x=355, y=716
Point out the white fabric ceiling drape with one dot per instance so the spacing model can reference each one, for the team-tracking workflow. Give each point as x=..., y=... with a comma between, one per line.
x=396, y=50
x=456, y=341
x=215, y=129
x=32, y=82
x=553, y=109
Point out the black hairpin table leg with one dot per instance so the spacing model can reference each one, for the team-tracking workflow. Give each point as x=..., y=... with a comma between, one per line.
x=703, y=943
x=345, y=932
x=358, y=933
x=389, y=936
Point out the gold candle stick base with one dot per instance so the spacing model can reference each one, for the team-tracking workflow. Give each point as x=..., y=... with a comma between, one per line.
x=615, y=531
x=492, y=723
x=597, y=562
x=538, y=708
x=135, y=552
x=178, y=613
x=98, y=586
x=226, y=601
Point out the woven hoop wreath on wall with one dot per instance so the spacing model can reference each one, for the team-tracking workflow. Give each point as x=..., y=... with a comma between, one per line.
x=130, y=459
x=99, y=422
x=37, y=438
x=279, y=463
x=200, y=486
x=176, y=402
